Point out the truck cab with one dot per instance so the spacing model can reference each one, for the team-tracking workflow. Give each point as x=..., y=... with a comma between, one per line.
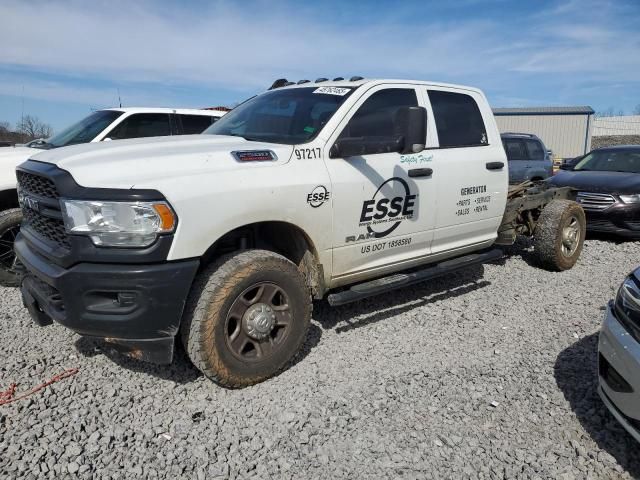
x=308, y=189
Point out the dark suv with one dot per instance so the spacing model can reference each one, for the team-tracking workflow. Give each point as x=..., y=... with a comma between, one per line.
x=528, y=158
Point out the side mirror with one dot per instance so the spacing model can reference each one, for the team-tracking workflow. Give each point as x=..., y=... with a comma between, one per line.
x=411, y=123
x=566, y=166
x=107, y=139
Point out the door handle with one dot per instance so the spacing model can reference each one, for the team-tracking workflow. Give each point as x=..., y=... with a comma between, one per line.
x=495, y=165
x=420, y=172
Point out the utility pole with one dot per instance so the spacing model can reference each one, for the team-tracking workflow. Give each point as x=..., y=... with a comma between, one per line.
x=119, y=99
x=22, y=115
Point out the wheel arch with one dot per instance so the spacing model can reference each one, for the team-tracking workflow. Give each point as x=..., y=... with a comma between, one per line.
x=8, y=199
x=281, y=237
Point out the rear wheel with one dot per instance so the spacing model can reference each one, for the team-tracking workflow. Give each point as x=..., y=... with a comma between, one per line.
x=10, y=271
x=559, y=235
x=247, y=316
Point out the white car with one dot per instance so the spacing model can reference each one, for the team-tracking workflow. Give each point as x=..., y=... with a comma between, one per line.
x=320, y=188
x=102, y=125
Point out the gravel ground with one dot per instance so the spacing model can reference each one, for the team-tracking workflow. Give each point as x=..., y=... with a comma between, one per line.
x=490, y=373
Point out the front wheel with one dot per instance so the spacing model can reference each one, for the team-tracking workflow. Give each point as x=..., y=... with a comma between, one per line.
x=247, y=316
x=559, y=235
x=10, y=272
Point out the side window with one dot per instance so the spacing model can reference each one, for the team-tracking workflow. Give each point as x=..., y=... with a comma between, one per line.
x=515, y=149
x=535, y=150
x=142, y=125
x=193, y=124
x=376, y=116
x=458, y=119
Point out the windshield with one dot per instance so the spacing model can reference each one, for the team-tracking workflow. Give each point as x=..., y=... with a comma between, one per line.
x=627, y=161
x=289, y=116
x=84, y=131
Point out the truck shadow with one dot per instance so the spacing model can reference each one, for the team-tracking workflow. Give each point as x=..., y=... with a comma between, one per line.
x=181, y=370
x=576, y=374
x=385, y=306
x=523, y=248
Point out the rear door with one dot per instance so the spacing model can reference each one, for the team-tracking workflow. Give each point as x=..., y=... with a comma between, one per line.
x=469, y=170
x=194, y=124
x=518, y=159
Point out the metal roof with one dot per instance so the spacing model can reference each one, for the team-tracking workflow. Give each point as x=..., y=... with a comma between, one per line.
x=576, y=110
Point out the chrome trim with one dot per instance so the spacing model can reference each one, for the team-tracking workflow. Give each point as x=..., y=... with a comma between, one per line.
x=263, y=155
x=595, y=201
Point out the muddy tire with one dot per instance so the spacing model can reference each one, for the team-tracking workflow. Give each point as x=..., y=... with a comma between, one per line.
x=10, y=271
x=559, y=235
x=246, y=317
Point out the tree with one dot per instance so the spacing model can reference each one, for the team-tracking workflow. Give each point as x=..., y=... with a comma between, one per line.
x=636, y=111
x=610, y=112
x=32, y=128
x=5, y=127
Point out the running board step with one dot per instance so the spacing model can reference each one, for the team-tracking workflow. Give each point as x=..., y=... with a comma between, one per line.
x=392, y=282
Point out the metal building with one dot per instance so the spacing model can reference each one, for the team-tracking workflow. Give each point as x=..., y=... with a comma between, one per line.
x=564, y=130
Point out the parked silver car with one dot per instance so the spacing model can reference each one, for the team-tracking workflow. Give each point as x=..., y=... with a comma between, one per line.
x=619, y=356
x=528, y=158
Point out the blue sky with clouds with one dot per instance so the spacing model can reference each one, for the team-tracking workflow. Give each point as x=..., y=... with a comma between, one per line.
x=62, y=59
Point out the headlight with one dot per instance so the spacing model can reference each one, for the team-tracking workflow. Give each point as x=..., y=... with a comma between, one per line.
x=635, y=198
x=118, y=224
x=629, y=298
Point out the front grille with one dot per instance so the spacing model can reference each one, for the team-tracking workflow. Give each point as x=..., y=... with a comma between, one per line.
x=595, y=202
x=36, y=185
x=49, y=228
x=46, y=219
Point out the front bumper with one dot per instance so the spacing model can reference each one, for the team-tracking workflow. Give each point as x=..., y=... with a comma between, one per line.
x=619, y=219
x=619, y=373
x=135, y=308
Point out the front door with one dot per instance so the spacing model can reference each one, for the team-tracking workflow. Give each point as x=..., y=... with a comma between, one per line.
x=383, y=216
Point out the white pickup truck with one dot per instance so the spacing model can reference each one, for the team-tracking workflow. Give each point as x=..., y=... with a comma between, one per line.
x=101, y=125
x=342, y=189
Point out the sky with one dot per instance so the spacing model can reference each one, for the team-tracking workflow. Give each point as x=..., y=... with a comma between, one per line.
x=61, y=60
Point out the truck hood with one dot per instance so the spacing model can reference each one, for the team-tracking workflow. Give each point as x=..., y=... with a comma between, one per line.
x=136, y=162
x=598, y=182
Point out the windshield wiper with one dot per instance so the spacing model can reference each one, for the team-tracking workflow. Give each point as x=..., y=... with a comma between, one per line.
x=246, y=137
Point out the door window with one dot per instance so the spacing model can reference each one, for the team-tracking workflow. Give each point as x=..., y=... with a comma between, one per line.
x=376, y=116
x=515, y=150
x=534, y=148
x=142, y=125
x=194, y=124
x=458, y=120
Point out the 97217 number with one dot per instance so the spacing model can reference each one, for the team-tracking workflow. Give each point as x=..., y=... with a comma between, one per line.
x=307, y=153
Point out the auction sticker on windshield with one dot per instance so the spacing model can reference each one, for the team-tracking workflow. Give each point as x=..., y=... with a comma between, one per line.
x=332, y=90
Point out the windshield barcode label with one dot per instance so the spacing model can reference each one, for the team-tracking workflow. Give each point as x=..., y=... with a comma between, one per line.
x=332, y=90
